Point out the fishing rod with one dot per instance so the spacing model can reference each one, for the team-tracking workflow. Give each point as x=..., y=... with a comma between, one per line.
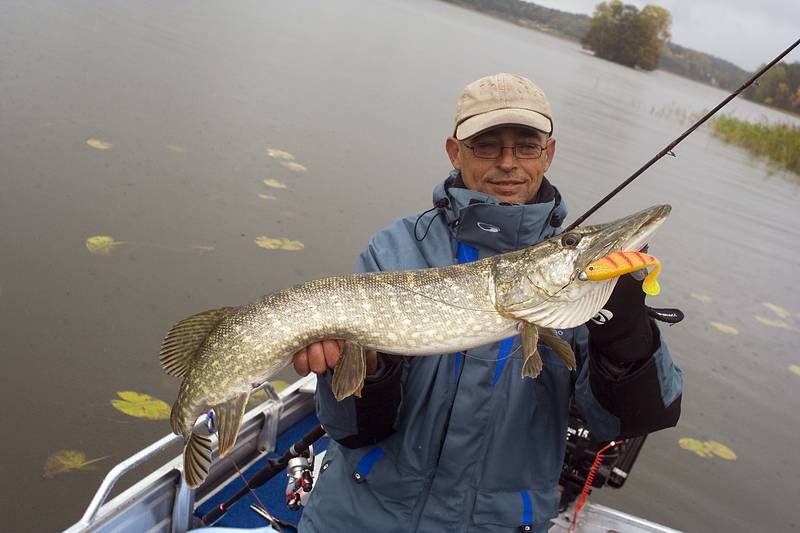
x=668, y=149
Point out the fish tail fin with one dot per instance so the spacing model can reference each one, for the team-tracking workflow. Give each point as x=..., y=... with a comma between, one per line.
x=196, y=459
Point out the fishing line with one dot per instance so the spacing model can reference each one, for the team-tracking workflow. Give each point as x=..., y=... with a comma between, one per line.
x=668, y=149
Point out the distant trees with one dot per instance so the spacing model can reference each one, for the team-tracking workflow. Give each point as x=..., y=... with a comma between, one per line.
x=623, y=34
x=779, y=87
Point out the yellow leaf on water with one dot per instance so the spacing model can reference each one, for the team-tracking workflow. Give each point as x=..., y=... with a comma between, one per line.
x=725, y=329
x=141, y=405
x=294, y=166
x=101, y=244
x=778, y=310
x=271, y=243
x=795, y=369
x=275, y=184
x=720, y=450
x=66, y=460
x=773, y=323
x=279, y=154
x=694, y=445
x=176, y=148
x=267, y=197
x=702, y=297
x=98, y=144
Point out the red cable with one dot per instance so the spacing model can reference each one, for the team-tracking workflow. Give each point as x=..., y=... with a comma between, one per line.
x=587, y=486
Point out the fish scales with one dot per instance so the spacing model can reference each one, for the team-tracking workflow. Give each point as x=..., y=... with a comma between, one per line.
x=222, y=353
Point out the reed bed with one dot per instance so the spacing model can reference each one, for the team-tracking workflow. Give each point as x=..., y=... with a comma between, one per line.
x=779, y=143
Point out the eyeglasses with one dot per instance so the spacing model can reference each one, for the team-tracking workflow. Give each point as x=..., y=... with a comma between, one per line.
x=493, y=150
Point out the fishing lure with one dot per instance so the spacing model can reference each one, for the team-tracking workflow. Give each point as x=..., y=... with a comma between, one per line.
x=620, y=263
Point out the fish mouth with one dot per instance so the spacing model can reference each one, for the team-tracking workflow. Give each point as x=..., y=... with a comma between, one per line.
x=629, y=234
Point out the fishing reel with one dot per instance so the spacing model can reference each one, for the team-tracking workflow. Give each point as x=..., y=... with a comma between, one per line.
x=300, y=473
x=581, y=451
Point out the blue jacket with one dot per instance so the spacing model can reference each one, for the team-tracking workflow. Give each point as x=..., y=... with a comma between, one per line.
x=460, y=442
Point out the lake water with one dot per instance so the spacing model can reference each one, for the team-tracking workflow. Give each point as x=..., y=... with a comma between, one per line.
x=362, y=93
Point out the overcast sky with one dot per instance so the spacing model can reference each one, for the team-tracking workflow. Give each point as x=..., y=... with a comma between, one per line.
x=745, y=32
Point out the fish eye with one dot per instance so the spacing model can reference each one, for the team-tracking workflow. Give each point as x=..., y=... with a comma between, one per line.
x=570, y=240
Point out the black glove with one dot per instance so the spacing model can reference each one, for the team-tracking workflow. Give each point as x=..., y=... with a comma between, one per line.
x=626, y=334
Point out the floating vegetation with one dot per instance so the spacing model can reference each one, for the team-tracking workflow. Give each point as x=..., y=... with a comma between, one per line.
x=280, y=154
x=294, y=166
x=675, y=112
x=778, y=143
x=773, y=323
x=66, y=460
x=141, y=405
x=778, y=310
x=98, y=144
x=101, y=244
x=701, y=297
x=724, y=328
x=709, y=448
x=795, y=369
x=176, y=148
x=275, y=184
x=267, y=197
x=271, y=243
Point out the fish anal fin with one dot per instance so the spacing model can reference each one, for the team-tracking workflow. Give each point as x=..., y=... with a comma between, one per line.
x=531, y=359
x=561, y=347
x=196, y=459
x=181, y=344
x=228, y=418
x=348, y=376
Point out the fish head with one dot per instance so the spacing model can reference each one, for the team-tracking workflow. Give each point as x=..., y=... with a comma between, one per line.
x=541, y=284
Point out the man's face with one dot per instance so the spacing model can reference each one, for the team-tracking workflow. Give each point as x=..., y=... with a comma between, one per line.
x=508, y=178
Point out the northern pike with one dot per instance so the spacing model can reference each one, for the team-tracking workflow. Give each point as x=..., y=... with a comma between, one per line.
x=222, y=354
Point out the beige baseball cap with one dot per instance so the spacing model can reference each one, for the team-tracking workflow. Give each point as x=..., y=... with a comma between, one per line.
x=501, y=99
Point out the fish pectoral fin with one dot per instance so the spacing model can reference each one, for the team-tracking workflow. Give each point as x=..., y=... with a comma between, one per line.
x=229, y=418
x=560, y=346
x=181, y=344
x=348, y=376
x=531, y=359
x=196, y=459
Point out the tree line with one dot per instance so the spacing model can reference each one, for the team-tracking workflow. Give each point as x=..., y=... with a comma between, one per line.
x=640, y=38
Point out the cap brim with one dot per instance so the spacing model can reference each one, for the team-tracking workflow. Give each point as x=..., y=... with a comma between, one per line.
x=499, y=117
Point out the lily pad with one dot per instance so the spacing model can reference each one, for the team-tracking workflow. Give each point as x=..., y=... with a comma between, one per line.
x=271, y=243
x=141, y=405
x=294, y=166
x=280, y=154
x=176, y=148
x=66, y=460
x=773, y=323
x=725, y=328
x=275, y=184
x=694, y=445
x=267, y=197
x=720, y=450
x=99, y=144
x=101, y=244
x=795, y=369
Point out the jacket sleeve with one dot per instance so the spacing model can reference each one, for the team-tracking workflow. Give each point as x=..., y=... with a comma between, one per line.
x=364, y=421
x=627, y=402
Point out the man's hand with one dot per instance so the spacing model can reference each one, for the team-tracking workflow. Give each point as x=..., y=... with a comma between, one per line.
x=318, y=357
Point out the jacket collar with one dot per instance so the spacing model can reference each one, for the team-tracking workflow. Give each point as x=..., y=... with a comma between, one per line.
x=478, y=219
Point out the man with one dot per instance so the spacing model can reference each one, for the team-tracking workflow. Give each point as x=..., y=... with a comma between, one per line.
x=461, y=442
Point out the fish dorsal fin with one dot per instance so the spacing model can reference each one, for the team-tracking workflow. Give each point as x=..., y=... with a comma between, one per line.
x=184, y=339
x=348, y=376
x=560, y=346
x=531, y=359
x=196, y=459
x=229, y=418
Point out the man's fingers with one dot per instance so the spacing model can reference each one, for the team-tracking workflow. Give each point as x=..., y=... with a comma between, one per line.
x=331, y=350
x=300, y=362
x=316, y=358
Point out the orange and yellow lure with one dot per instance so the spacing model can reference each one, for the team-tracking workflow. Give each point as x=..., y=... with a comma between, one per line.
x=619, y=263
